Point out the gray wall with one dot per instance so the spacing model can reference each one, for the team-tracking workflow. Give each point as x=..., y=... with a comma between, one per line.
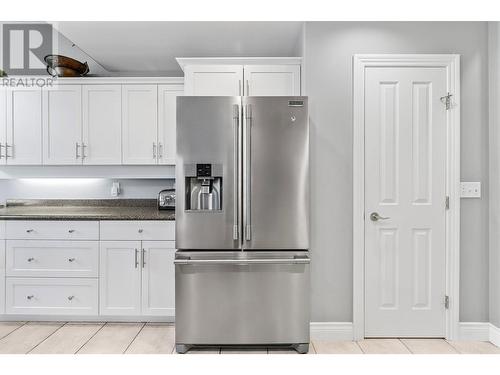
x=494, y=138
x=329, y=47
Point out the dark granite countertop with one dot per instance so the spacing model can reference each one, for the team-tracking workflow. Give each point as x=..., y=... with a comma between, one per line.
x=84, y=209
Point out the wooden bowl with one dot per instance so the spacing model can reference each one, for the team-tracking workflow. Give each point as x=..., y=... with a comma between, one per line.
x=63, y=66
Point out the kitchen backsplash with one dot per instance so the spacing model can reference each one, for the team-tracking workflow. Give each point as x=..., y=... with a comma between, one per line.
x=83, y=188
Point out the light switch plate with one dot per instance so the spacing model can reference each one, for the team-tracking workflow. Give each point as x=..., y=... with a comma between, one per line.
x=470, y=190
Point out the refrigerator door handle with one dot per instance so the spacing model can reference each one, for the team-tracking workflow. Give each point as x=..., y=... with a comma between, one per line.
x=243, y=261
x=236, y=182
x=246, y=175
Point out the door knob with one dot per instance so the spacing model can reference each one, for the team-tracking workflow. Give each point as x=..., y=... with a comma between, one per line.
x=374, y=216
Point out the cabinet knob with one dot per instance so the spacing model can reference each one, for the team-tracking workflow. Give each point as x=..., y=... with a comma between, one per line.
x=71, y=231
x=29, y=230
x=140, y=230
x=30, y=297
x=31, y=259
x=70, y=298
x=71, y=260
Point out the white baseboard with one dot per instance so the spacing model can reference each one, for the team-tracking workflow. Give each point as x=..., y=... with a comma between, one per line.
x=474, y=331
x=332, y=331
x=494, y=335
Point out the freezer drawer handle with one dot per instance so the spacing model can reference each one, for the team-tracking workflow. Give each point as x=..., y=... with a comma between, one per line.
x=243, y=261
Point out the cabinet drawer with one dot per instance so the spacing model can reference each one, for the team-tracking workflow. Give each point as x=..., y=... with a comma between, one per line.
x=52, y=230
x=52, y=258
x=51, y=296
x=138, y=230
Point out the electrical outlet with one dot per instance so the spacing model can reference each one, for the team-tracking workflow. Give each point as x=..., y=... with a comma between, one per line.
x=115, y=189
x=470, y=190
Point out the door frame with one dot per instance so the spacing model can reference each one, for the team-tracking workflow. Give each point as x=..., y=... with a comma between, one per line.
x=452, y=216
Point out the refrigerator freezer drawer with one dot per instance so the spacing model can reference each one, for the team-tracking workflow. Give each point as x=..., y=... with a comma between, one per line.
x=262, y=299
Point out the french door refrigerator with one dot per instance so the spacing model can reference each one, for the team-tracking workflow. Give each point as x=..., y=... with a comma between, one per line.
x=242, y=222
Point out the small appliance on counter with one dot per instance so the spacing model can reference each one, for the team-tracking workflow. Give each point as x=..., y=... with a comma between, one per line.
x=166, y=199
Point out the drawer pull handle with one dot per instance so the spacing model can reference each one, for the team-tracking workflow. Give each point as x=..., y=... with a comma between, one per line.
x=31, y=259
x=29, y=230
x=71, y=260
x=141, y=230
x=71, y=231
x=71, y=298
x=30, y=297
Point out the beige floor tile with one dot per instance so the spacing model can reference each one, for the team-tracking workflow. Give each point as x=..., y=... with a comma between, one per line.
x=312, y=348
x=25, y=338
x=113, y=338
x=475, y=347
x=153, y=339
x=383, y=346
x=68, y=339
x=8, y=327
x=242, y=351
x=429, y=346
x=337, y=347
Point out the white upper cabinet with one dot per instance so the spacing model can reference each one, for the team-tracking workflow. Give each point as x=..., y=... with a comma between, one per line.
x=21, y=128
x=102, y=124
x=62, y=124
x=272, y=80
x=167, y=109
x=140, y=120
x=213, y=80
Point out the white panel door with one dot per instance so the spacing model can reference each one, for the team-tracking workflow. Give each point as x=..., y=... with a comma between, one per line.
x=2, y=276
x=167, y=109
x=213, y=80
x=120, y=278
x=3, y=123
x=24, y=126
x=139, y=106
x=158, y=278
x=102, y=124
x=405, y=164
x=272, y=80
x=62, y=124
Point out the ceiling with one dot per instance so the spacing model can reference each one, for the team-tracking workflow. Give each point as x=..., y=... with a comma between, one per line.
x=150, y=48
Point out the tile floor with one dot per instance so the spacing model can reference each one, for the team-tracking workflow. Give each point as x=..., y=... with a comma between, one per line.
x=158, y=338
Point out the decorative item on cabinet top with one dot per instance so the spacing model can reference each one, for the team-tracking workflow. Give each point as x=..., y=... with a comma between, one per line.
x=91, y=121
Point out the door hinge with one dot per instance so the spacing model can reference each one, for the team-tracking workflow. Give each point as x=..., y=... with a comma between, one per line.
x=446, y=100
x=446, y=302
x=447, y=202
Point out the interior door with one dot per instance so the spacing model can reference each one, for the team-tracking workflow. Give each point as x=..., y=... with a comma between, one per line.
x=62, y=124
x=276, y=173
x=102, y=124
x=120, y=278
x=405, y=169
x=24, y=126
x=140, y=122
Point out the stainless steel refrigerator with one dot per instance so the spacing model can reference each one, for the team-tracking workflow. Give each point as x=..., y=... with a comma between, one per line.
x=242, y=222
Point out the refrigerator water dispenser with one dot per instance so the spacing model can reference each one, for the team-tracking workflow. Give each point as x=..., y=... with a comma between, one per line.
x=203, y=187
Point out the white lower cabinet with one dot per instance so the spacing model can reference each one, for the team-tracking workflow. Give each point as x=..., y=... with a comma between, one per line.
x=2, y=275
x=51, y=296
x=158, y=274
x=136, y=278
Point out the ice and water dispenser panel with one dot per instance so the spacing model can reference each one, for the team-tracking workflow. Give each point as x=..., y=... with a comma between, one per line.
x=203, y=187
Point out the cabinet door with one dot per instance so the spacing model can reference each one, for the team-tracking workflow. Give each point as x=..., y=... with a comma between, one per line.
x=23, y=126
x=158, y=278
x=120, y=278
x=167, y=99
x=2, y=276
x=102, y=124
x=62, y=124
x=3, y=123
x=139, y=106
x=272, y=80
x=213, y=80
